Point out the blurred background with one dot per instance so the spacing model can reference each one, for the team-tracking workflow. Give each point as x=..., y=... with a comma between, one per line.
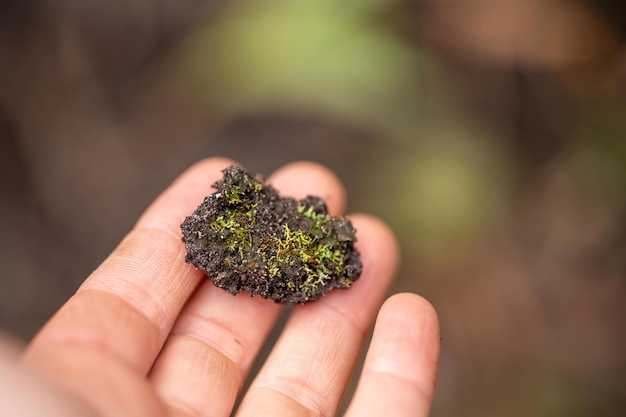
x=490, y=134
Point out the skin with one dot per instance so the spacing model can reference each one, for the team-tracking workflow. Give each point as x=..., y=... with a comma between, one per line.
x=146, y=335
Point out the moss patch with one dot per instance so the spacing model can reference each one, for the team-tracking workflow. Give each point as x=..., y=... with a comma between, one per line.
x=245, y=237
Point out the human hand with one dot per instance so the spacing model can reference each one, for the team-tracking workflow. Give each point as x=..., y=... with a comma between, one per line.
x=146, y=335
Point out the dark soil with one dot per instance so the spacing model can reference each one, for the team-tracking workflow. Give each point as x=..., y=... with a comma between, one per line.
x=245, y=237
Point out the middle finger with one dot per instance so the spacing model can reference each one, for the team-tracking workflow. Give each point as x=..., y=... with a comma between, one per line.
x=212, y=345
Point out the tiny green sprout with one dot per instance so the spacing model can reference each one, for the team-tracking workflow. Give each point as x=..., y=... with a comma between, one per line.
x=273, y=271
x=251, y=210
x=234, y=195
x=302, y=239
x=311, y=214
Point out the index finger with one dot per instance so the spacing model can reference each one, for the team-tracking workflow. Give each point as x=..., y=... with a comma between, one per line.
x=127, y=306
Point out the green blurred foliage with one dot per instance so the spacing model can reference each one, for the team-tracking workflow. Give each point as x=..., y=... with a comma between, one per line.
x=447, y=190
x=598, y=158
x=324, y=55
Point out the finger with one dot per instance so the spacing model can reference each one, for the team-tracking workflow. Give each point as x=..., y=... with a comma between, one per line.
x=217, y=336
x=124, y=311
x=312, y=180
x=24, y=393
x=309, y=368
x=398, y=377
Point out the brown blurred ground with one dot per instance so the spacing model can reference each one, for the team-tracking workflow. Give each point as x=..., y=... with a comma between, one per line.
x=506, y=183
